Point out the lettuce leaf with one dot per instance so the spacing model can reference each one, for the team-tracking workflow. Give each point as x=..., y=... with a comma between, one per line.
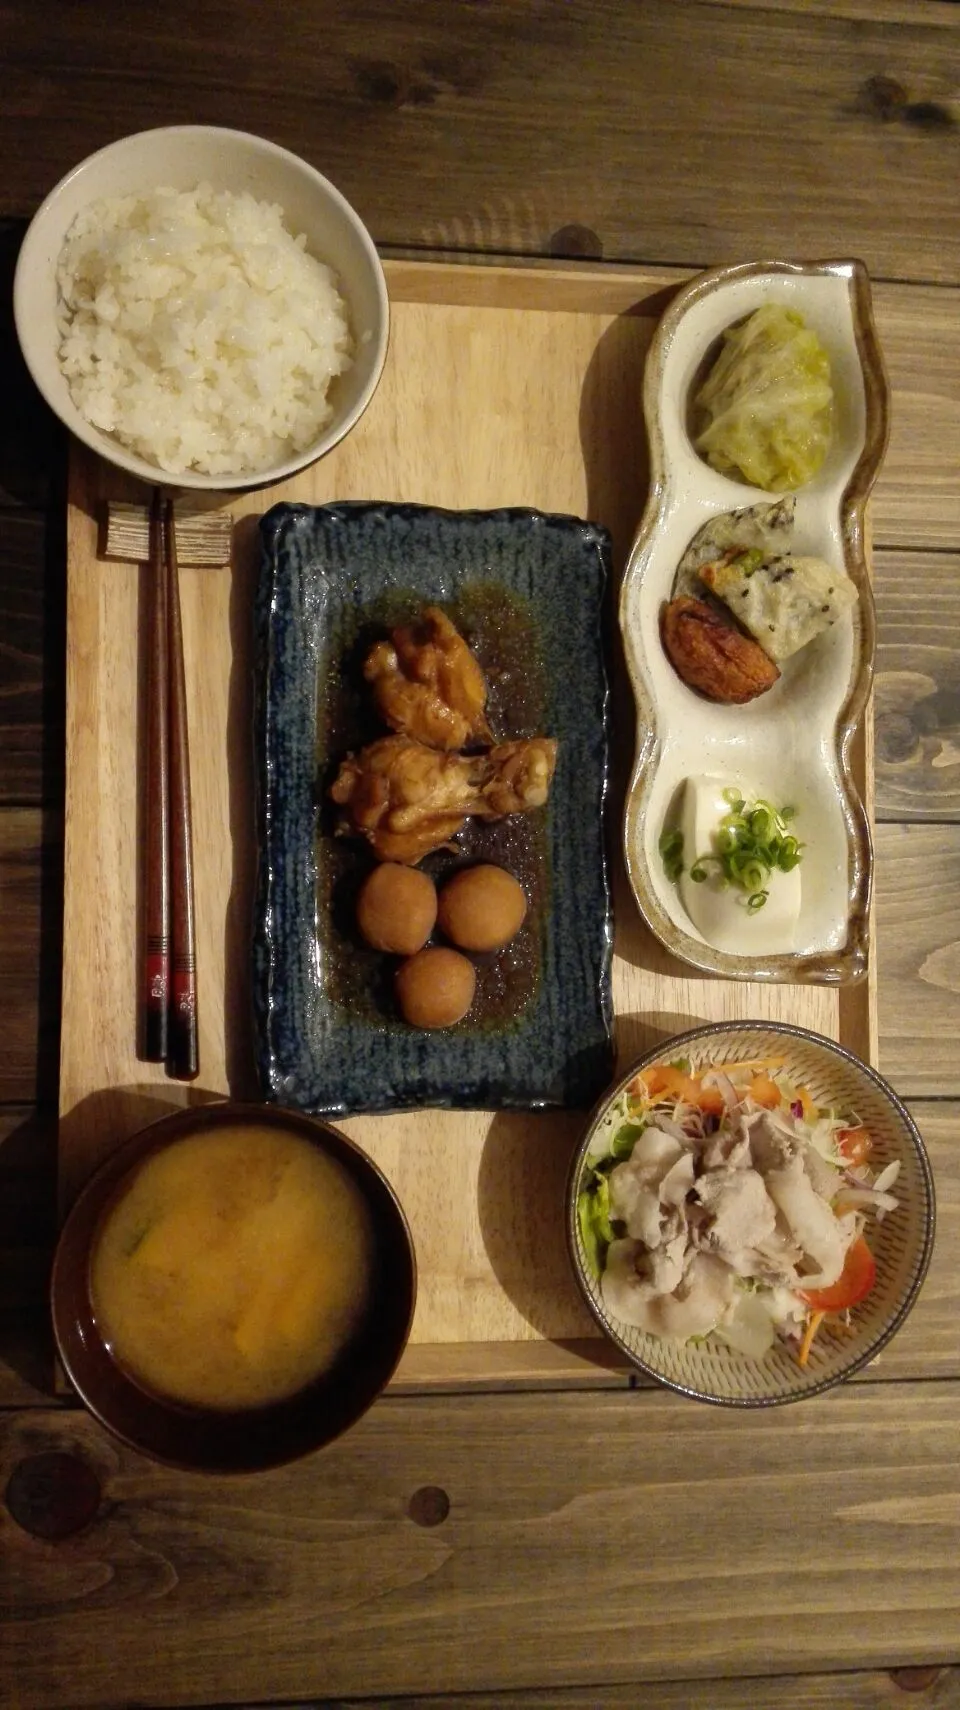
x=593, y=1215
x=766, y=409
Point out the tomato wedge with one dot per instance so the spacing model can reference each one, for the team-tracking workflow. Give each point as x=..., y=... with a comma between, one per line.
x=854, y=1144
x=852, y=1285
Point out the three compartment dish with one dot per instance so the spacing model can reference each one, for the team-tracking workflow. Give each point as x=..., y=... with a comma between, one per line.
x=793, y=743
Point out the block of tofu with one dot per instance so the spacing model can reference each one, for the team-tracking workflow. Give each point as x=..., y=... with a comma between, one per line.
x=783, y=601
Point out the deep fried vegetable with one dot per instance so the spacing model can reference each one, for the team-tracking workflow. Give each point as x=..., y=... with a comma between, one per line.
x=713, y=656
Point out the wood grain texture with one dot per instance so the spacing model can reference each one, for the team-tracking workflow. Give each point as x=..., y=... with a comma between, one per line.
x=30, y=864
x=28, y=1151
x=610, y=1537
x=928, y=1345
x=32, y=583
x=918, y=929
x=32, y=443
x=930, y=1688
x=559, y=392
x=917, y=689
x=917, y=497
x=382, y=97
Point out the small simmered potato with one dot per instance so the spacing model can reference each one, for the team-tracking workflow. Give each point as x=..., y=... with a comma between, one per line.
x=482, y=908
x=397, y=908
x=435, y=988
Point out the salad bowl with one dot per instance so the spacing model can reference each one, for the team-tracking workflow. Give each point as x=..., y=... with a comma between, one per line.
x=794, y=742
x=819, y=1093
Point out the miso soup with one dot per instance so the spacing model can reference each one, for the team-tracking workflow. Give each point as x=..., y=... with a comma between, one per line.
x=234, y=1269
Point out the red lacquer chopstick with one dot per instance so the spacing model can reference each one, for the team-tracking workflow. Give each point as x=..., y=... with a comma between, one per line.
x=182, y=1048
x=155, y=997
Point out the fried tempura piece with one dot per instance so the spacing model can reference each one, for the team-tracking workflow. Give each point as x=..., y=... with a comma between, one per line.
x=712, y=656
x=407, y=799
x=428, y=685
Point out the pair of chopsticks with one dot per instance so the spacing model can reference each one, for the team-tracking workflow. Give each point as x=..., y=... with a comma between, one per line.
x=169, y=997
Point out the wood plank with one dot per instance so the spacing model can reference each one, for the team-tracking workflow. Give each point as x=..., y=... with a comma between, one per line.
x=610, y=1538
x=32, y=642
x=28, y=1149
x=940, y=12
x=31, y=876
x=381, y=97
x=571, y=1363
x=928, y=1344
x=917, y=499
x=28, y=1159
x=917, y=689
x=847, y=1691
x=32, y=443
x=918, y=931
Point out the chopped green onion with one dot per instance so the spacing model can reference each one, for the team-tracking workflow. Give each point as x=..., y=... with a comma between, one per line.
x=671, y=853
x=749, y=844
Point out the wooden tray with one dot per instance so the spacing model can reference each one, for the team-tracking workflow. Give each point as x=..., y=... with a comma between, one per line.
x=503, y=386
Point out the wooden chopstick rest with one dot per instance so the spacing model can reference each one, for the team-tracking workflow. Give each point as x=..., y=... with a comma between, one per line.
x=202, y=537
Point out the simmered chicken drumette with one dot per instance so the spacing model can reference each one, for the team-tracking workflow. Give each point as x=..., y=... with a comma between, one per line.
x=428, y=685
x=407, y=799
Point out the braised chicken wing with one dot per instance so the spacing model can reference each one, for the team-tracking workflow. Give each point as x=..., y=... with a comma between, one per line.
x=428, y=685
x=407, y=799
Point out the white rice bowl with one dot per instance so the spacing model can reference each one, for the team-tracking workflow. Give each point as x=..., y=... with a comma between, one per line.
x=197, y=330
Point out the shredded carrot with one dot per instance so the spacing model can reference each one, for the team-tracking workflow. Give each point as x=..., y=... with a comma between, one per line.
x=765, y=1091
x=813, y=1324
x=663, y=1080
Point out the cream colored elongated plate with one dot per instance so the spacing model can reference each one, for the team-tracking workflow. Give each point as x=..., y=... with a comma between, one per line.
x=792, y=743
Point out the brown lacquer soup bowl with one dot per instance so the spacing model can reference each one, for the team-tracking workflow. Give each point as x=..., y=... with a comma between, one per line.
x=234, y=1288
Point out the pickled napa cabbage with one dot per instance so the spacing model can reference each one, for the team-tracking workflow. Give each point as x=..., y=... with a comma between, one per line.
x=766, y=407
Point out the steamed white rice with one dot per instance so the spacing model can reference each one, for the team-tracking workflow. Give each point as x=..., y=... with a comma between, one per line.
x=198, y=331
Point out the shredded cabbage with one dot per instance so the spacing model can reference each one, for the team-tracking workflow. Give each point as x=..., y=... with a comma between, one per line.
x=768, y=402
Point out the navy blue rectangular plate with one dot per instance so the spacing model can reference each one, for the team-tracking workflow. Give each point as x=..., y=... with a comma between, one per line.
x=527, y=590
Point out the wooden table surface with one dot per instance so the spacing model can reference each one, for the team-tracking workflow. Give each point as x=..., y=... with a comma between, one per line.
x=598, y=1546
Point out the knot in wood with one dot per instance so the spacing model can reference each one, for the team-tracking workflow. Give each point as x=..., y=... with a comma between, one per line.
x=53, y=1495
x=429, y=1506
x=576, y=242
x=916, y=1679
x=883, y=97
x=897, y=738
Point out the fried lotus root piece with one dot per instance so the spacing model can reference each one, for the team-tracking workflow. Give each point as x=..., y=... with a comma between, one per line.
x=428, y=685
x=407, y=799
x=712, y=655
